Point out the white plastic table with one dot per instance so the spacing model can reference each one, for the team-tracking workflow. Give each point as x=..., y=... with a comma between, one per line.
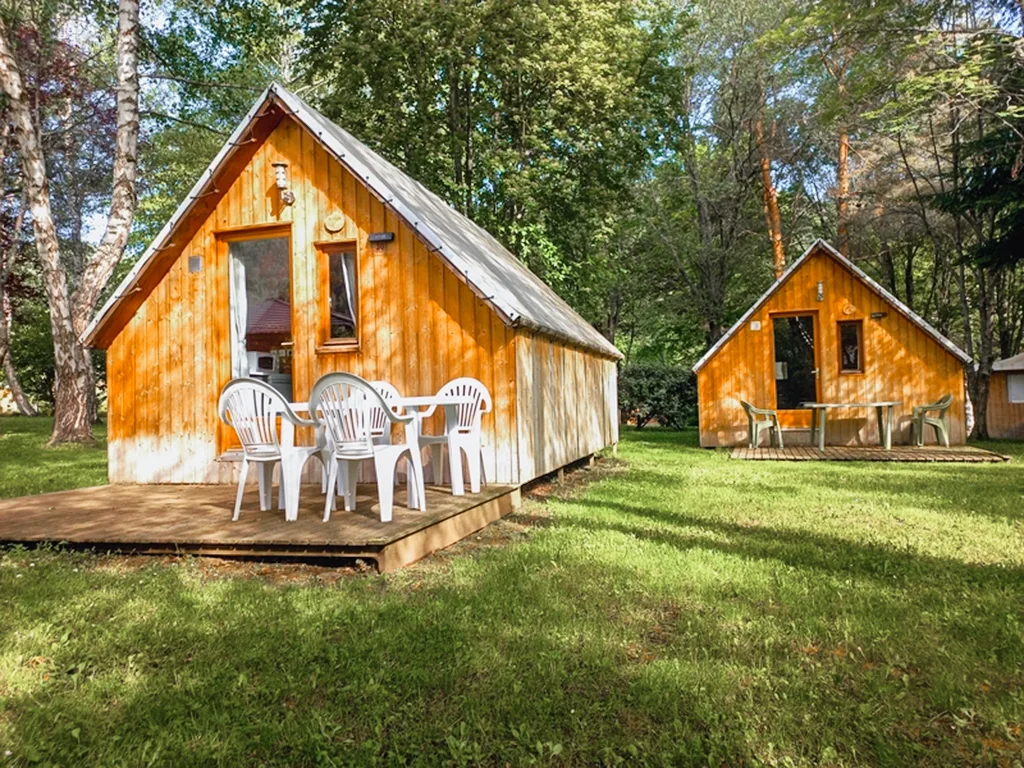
x=419, y=405
x=416, y=406
x=883, y=409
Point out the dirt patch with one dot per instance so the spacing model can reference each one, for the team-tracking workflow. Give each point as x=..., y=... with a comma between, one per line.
x=574, y=480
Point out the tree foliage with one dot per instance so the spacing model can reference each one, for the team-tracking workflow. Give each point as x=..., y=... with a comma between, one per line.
x=626, y=151
x=664, y=394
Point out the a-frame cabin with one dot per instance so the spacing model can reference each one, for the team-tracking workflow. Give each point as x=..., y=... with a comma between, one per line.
x=366, y=271
x=825, y=331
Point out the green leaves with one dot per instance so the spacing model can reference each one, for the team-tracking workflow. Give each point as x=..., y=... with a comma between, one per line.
x=534, y=118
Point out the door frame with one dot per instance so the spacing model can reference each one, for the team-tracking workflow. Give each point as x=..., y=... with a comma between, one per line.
x=817, y=354
x=227, y=440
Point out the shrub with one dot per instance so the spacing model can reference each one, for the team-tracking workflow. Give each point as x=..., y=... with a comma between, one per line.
x=665, y=394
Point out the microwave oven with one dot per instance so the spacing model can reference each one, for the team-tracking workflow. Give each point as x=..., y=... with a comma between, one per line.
x=261, y=363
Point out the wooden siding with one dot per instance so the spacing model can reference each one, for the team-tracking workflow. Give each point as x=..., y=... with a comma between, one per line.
x=900, y=361
x=567, y=404
x=1005, y=419
x=420, y=325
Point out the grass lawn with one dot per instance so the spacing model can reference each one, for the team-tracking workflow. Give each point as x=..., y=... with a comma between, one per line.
x=28, y=467
x=684, y=609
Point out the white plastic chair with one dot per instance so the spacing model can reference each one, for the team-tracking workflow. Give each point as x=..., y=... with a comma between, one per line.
x=380, y=425
x=251, y=408
x=464, y=434
x=380, y=428
x=345, y=405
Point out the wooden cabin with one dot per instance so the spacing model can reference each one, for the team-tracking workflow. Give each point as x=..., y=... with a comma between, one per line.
x=300, y=252
x=1006, y=399
x=826, y=332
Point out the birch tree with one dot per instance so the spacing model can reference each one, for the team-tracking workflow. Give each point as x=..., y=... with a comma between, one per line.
x=70, y=308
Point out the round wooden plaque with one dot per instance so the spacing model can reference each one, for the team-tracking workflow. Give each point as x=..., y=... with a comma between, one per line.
x=335, y=222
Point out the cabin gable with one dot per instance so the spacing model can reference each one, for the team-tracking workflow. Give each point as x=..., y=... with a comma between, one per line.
x=901, y=360
x=419, y=323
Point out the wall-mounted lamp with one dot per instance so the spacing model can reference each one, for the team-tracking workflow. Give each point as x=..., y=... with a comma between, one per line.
x=380, y=240
x=281, y=182
x=821, y=290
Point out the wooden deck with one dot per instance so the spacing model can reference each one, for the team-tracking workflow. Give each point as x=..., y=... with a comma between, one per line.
x=900, y=453
x=196, y=519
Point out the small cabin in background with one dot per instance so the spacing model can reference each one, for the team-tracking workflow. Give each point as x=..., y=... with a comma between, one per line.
x=826, y=332
x=300, y=252
x=1006, y=399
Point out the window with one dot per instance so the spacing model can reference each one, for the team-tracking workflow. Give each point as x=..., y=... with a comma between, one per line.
x=851, y=349
x=342, y=296
x=1015, y=387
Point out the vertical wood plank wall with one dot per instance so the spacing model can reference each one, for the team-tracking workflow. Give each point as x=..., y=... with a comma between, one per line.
x=1005, y=419
x=901, y=362
x=567, y=404
x=419, y=326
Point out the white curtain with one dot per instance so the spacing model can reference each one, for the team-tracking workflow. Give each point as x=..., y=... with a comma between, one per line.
x=348, y=261
x=239, y=320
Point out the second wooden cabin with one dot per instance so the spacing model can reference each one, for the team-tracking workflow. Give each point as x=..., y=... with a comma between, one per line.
x=825, y=331
x=300, y=252
x=1006, y=399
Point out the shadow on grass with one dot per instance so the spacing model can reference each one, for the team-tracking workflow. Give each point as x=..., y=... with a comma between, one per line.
x=502, y=668
x=796, y=548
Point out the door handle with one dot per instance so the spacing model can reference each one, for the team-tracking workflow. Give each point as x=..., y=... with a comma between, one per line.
x=815, y=371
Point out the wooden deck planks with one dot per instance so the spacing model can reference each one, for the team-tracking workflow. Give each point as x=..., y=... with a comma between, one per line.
x=197, y=519
x=964, y=454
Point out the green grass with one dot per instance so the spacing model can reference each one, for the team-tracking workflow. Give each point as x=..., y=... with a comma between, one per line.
x=688, y=609
x=28, y=466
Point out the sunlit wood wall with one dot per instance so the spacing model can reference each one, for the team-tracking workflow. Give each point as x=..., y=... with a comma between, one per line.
x=420, y=326
x=1005, y=419
x=901, y=362
x=566, y=401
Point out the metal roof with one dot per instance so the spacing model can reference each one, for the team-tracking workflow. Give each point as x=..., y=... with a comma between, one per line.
x=490, y=269
x=821, y=245
x=1015, y=363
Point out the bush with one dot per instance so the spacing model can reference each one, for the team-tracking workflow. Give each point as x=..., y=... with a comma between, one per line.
x=665, y=394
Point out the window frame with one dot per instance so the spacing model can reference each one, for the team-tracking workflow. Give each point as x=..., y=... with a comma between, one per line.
x=329, y=345
x=1017, y=375
x=857, y=323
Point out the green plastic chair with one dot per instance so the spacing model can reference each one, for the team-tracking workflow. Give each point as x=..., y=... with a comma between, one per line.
x=755, y=425
x=920, y=419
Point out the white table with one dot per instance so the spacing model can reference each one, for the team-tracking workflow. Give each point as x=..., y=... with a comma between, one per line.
x=419, y=405
x=883, y=409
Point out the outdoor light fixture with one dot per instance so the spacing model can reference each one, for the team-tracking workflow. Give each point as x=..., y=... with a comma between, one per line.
x=821, y=290
x=281, y=179
x=380, y=239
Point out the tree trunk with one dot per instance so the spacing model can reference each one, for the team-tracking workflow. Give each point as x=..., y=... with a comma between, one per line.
x=71, y=422
x=25, y=408
x=69, y=315
x=771, y=202
x=843, y=192
x=10, y=373
x=978, y=382
x=123, y=200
